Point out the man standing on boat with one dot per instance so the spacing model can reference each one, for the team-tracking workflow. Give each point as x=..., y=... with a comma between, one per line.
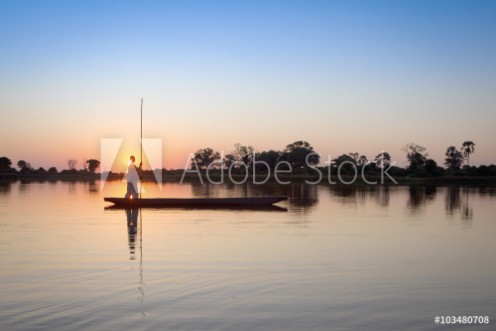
x=132, y=179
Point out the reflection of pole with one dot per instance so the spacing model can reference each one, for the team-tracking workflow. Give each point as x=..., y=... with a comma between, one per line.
x=141, y=281
x=141, y=143
x=467, y=213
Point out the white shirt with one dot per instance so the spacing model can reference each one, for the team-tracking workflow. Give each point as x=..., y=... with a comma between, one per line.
x=132, y=174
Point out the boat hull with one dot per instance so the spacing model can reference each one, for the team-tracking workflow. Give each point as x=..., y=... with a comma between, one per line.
x=255, y=202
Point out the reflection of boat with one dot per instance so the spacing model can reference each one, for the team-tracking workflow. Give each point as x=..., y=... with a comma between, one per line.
x=242, y=203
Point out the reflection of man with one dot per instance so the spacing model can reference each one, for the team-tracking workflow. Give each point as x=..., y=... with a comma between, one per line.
x=132, y=179
x=132, y=229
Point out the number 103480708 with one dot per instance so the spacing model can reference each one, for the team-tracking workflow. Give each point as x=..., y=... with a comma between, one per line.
x=465, y=319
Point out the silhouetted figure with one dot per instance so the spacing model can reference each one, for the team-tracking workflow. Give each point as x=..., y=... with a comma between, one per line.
x=132, y=229
x=132, y=179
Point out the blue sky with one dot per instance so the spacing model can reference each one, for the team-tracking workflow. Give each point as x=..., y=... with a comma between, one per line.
x=348, y=76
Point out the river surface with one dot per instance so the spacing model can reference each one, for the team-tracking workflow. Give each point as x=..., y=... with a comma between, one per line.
x=347, y=258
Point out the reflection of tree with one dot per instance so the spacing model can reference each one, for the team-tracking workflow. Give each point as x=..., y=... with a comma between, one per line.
x=72, y=187
x=92, y=187
x=353, y=194
x=419, y=196
x=487, y=190
x=347, y=193
x=200, y=190
x=453, y=201
x=207, y=190
x=302, y=194
x=299, y=193
x=430, y=192
x=24, y=186
x=382, y=195
x=5, y=187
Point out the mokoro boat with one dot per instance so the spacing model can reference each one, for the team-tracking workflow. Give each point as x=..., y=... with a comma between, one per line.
x=254, y=202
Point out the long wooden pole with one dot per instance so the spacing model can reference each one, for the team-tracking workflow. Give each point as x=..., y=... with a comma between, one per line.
x=141, y=142
x=141, y=282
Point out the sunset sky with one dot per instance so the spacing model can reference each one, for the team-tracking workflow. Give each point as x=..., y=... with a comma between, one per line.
x=347, y=76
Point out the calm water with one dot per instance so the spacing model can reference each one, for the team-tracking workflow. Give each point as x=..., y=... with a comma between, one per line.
x=338, y=259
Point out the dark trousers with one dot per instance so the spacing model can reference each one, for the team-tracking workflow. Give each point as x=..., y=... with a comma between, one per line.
x=131, y=190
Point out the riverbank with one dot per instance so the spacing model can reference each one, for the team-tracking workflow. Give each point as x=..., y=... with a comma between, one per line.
x=177, y=176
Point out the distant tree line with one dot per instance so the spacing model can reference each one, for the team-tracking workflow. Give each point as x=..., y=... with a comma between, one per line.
x=300, y=157
x=25, y=168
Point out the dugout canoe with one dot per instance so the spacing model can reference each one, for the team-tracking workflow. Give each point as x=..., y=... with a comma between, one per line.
x=253, y=202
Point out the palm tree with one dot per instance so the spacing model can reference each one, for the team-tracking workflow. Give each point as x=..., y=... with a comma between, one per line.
x=468, y=147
